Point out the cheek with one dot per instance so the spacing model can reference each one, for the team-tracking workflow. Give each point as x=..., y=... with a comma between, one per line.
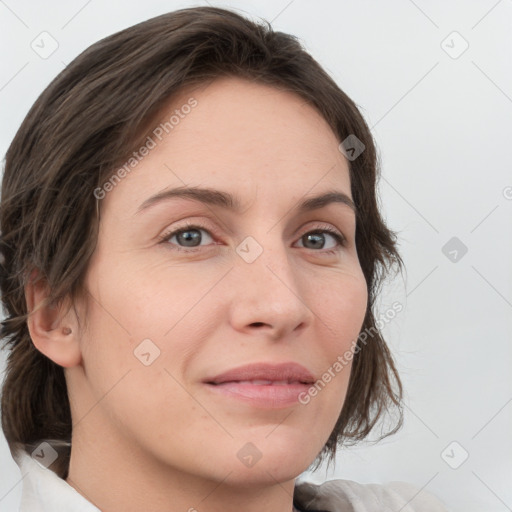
x=136, y=299
x=342, y=315
x=143, y=320
x=342, y=306
x=134, y=375
x=338, y=300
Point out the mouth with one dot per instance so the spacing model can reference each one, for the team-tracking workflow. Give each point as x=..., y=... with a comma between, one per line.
x=263, y=385
x=265, y=374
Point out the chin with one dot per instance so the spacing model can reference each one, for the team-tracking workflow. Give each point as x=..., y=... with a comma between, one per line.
x=269, y=460
x=268, y=472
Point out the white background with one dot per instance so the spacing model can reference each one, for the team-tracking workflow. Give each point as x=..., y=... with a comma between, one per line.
x=443, y=127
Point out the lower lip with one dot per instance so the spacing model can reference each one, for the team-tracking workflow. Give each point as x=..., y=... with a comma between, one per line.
x=264, y=396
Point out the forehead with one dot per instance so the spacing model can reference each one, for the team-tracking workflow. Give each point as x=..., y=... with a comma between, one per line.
x=239, y=136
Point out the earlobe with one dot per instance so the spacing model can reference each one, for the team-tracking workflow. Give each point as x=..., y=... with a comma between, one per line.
x=53, y=329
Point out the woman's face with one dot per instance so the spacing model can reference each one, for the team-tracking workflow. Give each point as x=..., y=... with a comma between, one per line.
x=256, y=279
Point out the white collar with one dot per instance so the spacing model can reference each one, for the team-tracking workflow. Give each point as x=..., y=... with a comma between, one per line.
x=44, y=491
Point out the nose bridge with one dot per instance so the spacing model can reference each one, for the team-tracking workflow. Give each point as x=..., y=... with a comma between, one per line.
x=267, y=287
x=266, y=257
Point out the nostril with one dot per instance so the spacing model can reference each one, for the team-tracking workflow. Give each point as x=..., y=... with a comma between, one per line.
x=257, y=324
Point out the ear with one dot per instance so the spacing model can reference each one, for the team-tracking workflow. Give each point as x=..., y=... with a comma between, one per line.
x=53, y=329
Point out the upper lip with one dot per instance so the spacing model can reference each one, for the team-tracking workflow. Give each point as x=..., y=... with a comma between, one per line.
x=291, y=372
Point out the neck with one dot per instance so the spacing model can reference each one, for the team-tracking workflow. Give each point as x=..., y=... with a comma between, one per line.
x=114, y=475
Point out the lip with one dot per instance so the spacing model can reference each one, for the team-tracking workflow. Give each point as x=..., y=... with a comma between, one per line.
x=289, y=371
x=263, y=385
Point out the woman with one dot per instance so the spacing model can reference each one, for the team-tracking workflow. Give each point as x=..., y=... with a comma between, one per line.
x=191, y=253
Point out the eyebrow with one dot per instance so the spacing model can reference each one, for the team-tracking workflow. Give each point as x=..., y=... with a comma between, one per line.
x=230, y=202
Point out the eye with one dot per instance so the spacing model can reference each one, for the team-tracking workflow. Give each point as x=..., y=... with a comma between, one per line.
x=188, y=235
x=188, y=238
x=316, y=239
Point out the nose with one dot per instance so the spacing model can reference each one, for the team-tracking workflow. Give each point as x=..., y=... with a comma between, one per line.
x=268, y=295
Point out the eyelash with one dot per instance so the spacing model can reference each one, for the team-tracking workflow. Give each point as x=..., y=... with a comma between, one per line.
x=323, y=229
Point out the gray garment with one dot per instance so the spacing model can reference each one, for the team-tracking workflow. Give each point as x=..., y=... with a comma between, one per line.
x=349, y=496
x=44, y=491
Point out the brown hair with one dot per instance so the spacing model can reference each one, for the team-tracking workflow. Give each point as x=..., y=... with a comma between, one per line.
x=86, y=123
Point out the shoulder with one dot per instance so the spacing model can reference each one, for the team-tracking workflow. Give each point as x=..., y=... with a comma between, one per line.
x=44, y=491
x=348, y=495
